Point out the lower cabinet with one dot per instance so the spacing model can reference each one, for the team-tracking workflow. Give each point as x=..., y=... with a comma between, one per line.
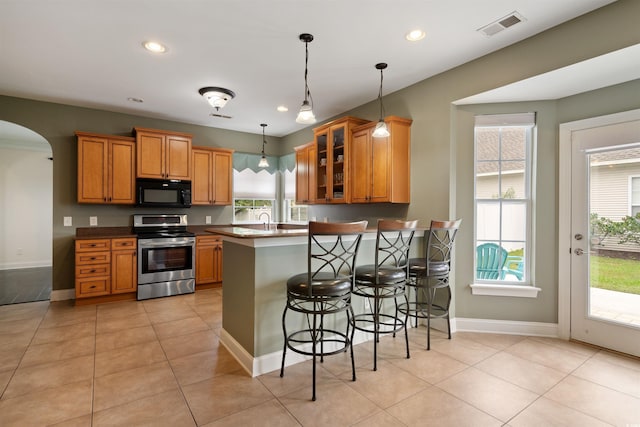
x=208, y=259
x=106, y=267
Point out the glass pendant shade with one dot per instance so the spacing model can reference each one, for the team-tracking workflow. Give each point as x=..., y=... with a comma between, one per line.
x=381, y=130
x=305, y=115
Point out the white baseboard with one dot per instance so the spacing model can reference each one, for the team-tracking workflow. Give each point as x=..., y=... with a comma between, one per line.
x=508, y=327
x=256, y=366
x=63, y=294
x=25, y=264
x=272, y=361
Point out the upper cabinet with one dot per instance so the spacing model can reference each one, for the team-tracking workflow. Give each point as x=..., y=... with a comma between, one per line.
x=106, y=169
x=163, y=154
x=306, y=173
x=332, y=141
x=381, y=165
x=212, y=182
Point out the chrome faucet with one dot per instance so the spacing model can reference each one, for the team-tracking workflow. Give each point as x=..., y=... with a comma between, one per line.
x=267, y=225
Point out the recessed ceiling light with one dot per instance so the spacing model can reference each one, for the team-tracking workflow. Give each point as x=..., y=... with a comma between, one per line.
x=154, y=47
x=415, y=35
x=282, y=108
x=138, y=100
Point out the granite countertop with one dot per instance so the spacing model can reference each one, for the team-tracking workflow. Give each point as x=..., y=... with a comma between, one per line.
x=252, y=233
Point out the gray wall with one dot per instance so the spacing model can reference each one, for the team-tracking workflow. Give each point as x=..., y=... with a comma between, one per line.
x=440, y=186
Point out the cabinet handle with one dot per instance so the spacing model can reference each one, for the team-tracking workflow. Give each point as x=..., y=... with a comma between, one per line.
x=92, y=257
x=92, y=271
x=92, y=287
x=93, y=245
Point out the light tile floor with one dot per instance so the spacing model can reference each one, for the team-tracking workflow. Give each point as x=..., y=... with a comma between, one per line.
x=160, y=363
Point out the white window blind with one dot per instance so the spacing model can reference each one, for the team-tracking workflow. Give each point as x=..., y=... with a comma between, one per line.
x=254, y=185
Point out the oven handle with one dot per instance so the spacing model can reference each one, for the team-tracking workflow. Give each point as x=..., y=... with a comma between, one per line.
x=166, y=244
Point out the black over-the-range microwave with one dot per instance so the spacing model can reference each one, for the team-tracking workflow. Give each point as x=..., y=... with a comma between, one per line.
x=163, y=193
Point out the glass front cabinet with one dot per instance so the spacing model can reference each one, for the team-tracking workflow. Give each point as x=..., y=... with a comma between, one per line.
x=332, y=141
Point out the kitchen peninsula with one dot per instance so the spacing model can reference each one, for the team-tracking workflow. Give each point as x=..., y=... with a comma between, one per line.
x=256, y=266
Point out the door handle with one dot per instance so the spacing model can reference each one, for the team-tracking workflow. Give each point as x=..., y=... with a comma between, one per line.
x=578, y=251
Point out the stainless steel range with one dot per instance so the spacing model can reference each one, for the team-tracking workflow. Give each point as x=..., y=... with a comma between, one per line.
x=166, y=255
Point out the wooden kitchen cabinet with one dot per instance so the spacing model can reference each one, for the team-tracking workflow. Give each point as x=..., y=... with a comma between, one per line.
x=163, y=154
x=208, y=259
x=333, y=141
x=212, y=182
x=306, y=173
x=124, y=265
x=106, y=169
x=105, y=267
x=381, y=166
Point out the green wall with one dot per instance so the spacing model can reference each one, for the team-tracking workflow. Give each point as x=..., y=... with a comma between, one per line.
x=440, y=148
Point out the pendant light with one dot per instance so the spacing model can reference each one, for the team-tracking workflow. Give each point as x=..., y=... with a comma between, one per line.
x=381, y=130
x=263, y=163
x=305, y=115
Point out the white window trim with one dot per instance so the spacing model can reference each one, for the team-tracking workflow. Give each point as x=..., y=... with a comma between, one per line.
x=630, y=197
x=504, y=288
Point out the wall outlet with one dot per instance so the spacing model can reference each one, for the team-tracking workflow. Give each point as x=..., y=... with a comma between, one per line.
x=93, y=221
x=67, y=221
x=207, y=219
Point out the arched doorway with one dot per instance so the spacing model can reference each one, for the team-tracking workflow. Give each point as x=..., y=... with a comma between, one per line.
x=26, y=204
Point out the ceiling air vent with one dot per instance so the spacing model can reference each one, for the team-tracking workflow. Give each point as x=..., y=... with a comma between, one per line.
x=501, y=24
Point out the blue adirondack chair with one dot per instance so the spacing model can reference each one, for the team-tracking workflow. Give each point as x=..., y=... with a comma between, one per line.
x=513, y=265
x=490, y=259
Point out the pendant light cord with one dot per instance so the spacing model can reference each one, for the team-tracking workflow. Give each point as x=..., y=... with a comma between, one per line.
x=307, y=92
x=380, y=96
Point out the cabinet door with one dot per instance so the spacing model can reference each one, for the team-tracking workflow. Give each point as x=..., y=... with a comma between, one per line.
x=338, y=156
x=150, y=155
x=217, y=274
x=92, y=170
x=361, y=167
x=122, y=165
x=178, y=157
x=380, y=170
x=302, y=176
x=201, y=184
x=124, y=273
x=222, y=178
x=305, y=173
x=208, y=260
x=323, y=176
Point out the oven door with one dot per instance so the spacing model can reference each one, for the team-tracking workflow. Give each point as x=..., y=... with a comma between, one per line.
x=166, y=259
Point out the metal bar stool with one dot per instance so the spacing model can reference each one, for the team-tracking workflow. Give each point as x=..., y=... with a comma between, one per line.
x=429, y=276
x=385, y=280
x=325, y=288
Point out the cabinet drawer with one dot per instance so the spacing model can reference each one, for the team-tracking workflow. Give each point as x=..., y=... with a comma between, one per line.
x=92, y=287
x=87, y=258
x=93, y=245
x=126, y=243
x=92, y=270
x=208, y=240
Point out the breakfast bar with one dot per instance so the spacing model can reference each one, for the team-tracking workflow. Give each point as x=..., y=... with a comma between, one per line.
x=256, y=266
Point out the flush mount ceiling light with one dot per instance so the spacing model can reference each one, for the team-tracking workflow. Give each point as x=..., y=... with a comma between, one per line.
x=217, y=96
x=381, y=129
x=263, y=163
x=154, y=47
x=415, y=35
x=305, y=115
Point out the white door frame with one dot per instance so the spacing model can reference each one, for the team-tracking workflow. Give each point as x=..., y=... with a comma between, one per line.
x=564, y=209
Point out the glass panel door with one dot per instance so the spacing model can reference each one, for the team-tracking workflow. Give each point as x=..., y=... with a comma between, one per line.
x=605, y=262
